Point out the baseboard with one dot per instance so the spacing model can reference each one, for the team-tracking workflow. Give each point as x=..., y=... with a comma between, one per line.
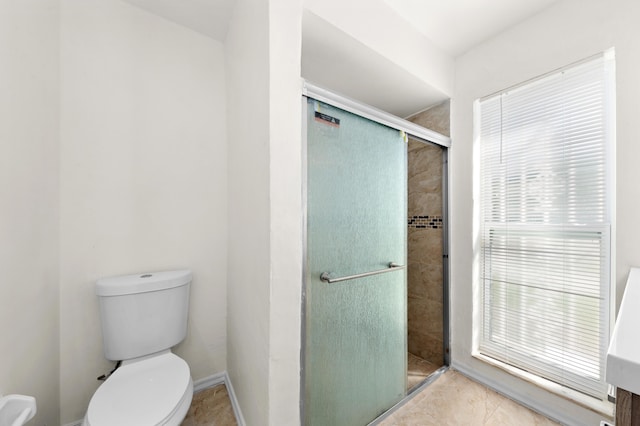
x=209, y=382
x=205, y=383
x=234, y=400
x=218, y=379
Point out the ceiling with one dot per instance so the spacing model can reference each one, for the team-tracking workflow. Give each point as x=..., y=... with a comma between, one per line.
x=453, y=25
x=209, y=17
x=337, y=61
x=458, y=25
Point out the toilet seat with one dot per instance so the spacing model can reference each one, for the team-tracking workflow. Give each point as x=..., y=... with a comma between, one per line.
x=152, y=391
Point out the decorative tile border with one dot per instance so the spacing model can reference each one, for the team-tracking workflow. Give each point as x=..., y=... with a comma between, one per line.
x=430, y=222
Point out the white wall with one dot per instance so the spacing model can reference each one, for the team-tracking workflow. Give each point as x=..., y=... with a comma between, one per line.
x=265, y=243
x=285, y=21
x=29, y=209
x=248, y=291
x=569, y=31
x=143, y=178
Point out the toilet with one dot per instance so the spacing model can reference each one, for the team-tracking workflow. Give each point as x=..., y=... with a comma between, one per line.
x=142, y=317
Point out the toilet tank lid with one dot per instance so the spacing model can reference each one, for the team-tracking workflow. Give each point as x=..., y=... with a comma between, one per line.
x=142, y=283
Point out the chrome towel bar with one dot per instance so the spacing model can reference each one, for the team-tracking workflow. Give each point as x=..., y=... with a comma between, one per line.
x=326, y=276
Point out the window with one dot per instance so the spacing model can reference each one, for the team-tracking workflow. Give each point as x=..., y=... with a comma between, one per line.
x=545, y=212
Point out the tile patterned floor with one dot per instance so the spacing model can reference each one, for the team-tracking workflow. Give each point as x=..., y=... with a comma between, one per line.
x=454, y=400
x=211, y=407
x=417, y=370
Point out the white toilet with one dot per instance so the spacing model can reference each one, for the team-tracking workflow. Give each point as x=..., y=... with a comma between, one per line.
x=143, y=316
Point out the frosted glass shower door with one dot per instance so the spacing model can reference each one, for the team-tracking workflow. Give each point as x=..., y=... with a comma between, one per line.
x=355, y=329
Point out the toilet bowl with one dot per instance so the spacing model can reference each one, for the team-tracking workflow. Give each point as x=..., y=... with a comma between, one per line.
x=142, y=317
x=156, y=390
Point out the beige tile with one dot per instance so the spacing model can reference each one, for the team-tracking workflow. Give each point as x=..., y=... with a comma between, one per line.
x=452, y=400
x=414, y=145
x=424, y=280
x=436, y=118
x=509, y=412
x=425, y=316
x=467, y=403
x=412, y=418
x=425, y=311
x=456, y=400
x=418, y=370
x=427, y=161
x=424, y=244
x=424, y=182
x=424, y=203
x=427, y=346
x=211, y=407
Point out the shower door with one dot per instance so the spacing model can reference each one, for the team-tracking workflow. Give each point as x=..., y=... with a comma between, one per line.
x=355, y=289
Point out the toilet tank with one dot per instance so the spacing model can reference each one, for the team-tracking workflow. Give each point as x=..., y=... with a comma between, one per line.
x=144, y=313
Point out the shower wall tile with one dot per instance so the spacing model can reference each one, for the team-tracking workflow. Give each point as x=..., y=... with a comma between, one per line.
x=425, y=245
x=425, y=280
x=425, y=222
x=414, y=145
x=426, y=159
x=425, y=203
x=425, y=183
x=424, y=179
x=435, y=118
x=426, y=316
x=427, y=346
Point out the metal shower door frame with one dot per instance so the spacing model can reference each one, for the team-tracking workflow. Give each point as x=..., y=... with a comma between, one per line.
x=311, y=91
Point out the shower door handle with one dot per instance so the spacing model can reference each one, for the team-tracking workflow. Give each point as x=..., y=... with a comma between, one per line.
x=326, y=276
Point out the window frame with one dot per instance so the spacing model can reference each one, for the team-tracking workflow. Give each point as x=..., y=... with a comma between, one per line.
x=601, y=405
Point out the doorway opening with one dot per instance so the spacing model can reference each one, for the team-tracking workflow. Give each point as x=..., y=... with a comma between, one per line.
x=427, y=254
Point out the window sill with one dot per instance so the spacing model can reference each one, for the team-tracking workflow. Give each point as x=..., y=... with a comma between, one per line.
x=604, y=408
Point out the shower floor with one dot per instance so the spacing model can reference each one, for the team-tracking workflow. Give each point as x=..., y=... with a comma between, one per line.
x=418, y=369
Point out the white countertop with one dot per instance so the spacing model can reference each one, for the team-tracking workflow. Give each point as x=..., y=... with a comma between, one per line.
x=623, y=356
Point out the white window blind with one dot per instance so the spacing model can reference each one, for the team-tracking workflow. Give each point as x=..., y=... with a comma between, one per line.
x=545, y=219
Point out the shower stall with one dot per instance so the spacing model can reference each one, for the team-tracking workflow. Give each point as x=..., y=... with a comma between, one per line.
x=355, y=294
